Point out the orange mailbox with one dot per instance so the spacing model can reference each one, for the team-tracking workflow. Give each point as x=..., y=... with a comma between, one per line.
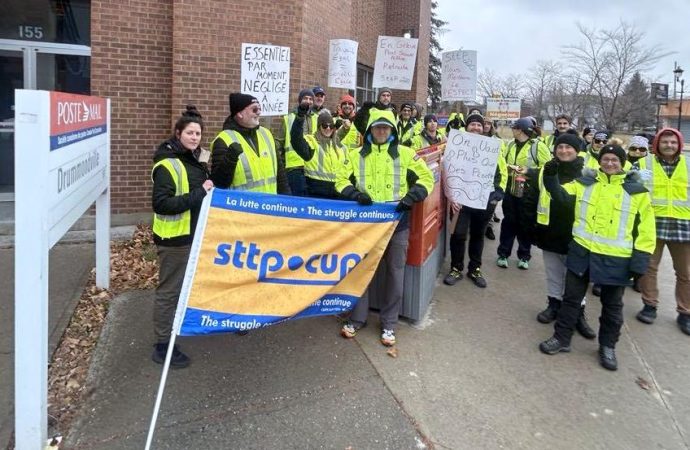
x=426, y=218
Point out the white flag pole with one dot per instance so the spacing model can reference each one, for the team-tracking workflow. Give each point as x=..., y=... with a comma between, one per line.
x=181, y=308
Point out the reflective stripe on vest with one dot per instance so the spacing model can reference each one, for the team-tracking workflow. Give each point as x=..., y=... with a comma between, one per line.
x=362, y=184
x=620, y=241
x=544, y=202
x=319, y=172
x=659, y=172
x=250, y=183
x=532, y=159
x=172, y=225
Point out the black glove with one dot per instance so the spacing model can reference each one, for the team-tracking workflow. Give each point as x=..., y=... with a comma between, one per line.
x=496, y=196
x=302, y=109
x=234, y=152
x=551, y=168
x=405, y=204
x=364, y=199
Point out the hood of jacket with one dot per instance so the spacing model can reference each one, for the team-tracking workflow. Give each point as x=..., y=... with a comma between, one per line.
x=655, y=143
x=171, y=148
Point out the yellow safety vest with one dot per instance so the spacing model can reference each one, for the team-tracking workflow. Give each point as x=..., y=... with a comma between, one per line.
x=605, y=217
x=174, y=225
x=544, y=204
x=292, y=159
x=352, y=138
x=536, y=155
x=592, y=162
x=256, y=170
x=325, y=163
x=670, y=195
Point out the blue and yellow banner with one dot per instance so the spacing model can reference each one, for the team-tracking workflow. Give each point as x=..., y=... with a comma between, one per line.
x=260, y=259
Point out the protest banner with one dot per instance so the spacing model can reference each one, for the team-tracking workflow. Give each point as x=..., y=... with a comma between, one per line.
x=395, y=62
x=266, y=75
x=342, y=64
x=459, y=76
x=469, y=166
x=503, y=108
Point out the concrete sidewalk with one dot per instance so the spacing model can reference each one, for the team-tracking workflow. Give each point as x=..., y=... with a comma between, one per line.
x=469, y=377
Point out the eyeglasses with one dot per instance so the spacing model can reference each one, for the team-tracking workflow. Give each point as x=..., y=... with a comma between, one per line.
x=600, y=141
x=256, y=110
x=320, y=95
x=637, y=149
x=327, y=125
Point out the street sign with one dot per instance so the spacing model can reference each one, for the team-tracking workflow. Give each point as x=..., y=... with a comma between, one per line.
x=659, y=93
x=503, y=108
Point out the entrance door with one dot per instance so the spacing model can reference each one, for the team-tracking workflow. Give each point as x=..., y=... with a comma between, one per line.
x=11, y=78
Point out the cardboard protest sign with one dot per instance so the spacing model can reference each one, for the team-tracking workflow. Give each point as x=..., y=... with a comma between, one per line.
x=395, y=62
x=459, y=75
x=266, y=76
x=342, y=64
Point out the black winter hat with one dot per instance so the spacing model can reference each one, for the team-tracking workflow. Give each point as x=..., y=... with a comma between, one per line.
x=429, y=117
x=240, y=101
x=304, y=93
x=616, y=150
x=474, y=118
x=570, y=139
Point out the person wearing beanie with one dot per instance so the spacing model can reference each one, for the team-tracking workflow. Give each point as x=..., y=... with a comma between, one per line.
x=417, y=117
x=347, y=133
x=550, y=226
x=613, y=238
x=294, y=165
x=637, y=149
x=405, y=123
x=591, y=152
x=383, y=103
x=430, y=134
x=243, y=134
x=473, y=222
x=668, y=180
x=524, y=152
x=588, y=135
x=322, y=152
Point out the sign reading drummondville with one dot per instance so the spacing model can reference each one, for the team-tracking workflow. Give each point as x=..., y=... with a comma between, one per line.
x=62, y=166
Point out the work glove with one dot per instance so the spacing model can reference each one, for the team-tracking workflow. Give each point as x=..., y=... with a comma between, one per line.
x=302, y=110
x=234, y=152
x=363, y=199
x=496, y=196
x=551, y=168
x=405, y=204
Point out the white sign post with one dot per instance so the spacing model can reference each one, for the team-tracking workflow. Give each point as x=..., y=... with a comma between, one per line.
x=459, y=76
x=342, y=64
x=266, y=76
x=62, y=166
x=503, y=108
x=395, y=61
x=469, y=166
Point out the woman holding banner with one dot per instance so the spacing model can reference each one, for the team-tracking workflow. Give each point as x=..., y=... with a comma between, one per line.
x=180, y=183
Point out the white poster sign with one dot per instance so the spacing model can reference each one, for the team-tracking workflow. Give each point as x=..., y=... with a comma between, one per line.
x=266, y=76
x=342, y=64
x=459, y=76
x=469, y=166
x=503, y=108
x=395, y=62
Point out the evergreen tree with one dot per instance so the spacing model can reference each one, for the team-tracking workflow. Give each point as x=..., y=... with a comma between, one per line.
x=636, y=106
x=434, y=81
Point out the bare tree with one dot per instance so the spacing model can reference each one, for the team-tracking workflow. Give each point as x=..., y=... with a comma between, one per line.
x=490, y=84
x=607, y=59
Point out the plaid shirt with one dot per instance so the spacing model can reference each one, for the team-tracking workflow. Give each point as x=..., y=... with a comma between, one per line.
x=668, y=228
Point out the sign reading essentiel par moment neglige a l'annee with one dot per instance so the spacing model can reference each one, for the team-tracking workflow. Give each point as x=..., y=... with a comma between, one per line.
x=266, y=76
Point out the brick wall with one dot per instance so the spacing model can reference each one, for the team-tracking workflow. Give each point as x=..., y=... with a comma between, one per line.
x=152, y=57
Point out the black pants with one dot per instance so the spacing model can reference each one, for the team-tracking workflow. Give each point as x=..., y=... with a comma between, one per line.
x=474, y=221
x=610, y=321
x=510, y=229
x=297, y=181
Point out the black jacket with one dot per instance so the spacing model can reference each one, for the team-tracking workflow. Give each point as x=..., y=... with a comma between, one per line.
x=163, y=198
x=224, y=159
x=556, y=236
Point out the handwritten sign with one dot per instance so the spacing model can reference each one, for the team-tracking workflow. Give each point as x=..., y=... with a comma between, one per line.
x=342, y=64
x=469, y=166
x=459, y=76
x=503, y=108
x=395, y=61
x=266, y=76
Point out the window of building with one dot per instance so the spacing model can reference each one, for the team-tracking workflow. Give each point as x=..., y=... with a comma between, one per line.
x=365, y=78
x=61, y=21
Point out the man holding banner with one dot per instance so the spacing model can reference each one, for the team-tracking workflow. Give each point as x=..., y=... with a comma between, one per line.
x=382, y=170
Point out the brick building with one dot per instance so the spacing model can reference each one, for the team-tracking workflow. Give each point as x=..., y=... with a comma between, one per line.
x=151, y=57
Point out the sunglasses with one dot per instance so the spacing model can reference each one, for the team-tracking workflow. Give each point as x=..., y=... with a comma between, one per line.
x=600, y=141
x=327, y=125
x=320, y=95
x=256, y=110
x=637, y=149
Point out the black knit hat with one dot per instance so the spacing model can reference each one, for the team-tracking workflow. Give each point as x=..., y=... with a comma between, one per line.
x=474, y=118
x=616, y=150
x=570, y=139
x=306, y=92
x=429, y=117
x=240, y=101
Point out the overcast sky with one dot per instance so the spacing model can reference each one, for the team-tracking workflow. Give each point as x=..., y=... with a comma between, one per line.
x=511, y=35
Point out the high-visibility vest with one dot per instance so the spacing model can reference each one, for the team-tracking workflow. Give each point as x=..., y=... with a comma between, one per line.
x=292, y=159
x=670, y=195
x=352, y=138
x=605, y=217
x=550, y=140
x=173, y=225
x=256, y=170
x=592, y=162
x=536, y=155
x=544, y=203
x=406, y=131
x=324, y=163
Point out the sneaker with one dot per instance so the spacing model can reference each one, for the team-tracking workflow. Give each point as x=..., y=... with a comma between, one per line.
x=489, y=233
x=178, y=360
x=453, y=277
x=596, y=290
x=388, y=337
x=523, y=264
x=647, y=314
x=350, y=329
x=552, y=345
x=607, y=358
x=684, y=323
x=551, y=311
x=583, y=327
x=477, y=278
x=502, y=262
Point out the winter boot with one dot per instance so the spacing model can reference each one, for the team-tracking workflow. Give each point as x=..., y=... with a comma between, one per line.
x=583, y=327
x=551, y=311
